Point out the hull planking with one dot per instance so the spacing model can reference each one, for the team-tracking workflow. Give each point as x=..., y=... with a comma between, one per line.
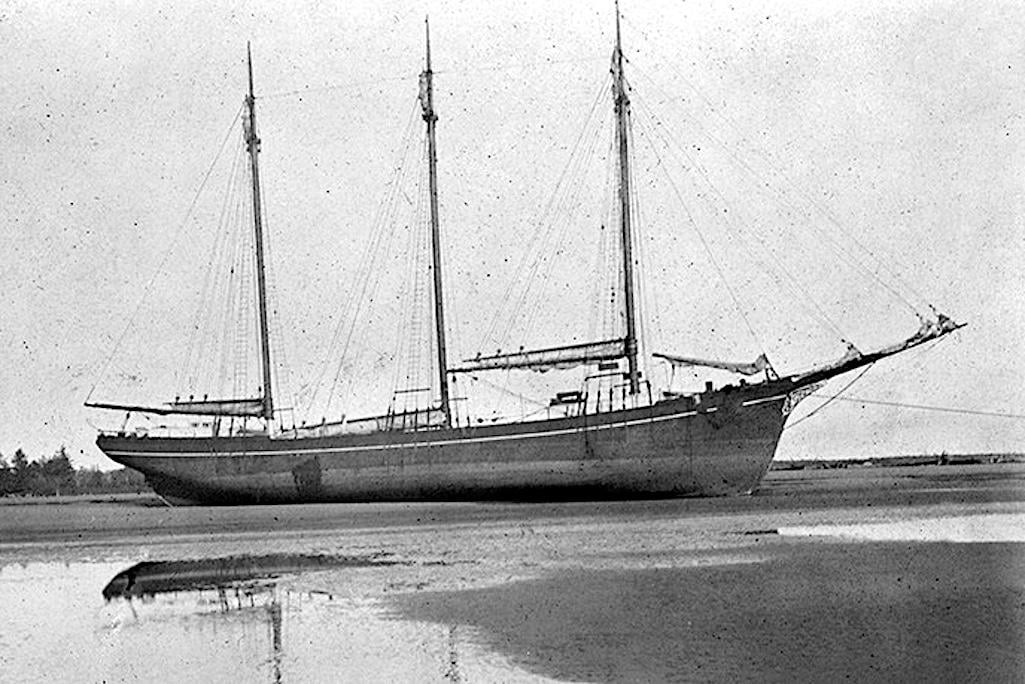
x=670, y=449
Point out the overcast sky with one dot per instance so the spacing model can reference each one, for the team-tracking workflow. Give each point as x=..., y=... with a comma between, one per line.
x=902, y=120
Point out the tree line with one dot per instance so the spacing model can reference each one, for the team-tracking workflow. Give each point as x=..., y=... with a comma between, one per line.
x=55, y=475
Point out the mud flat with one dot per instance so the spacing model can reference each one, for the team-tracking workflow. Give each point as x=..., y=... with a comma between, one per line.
x=869, y=573
x=136, y=518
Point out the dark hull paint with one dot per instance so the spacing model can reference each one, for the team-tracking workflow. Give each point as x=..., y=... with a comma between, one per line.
x=672, y=448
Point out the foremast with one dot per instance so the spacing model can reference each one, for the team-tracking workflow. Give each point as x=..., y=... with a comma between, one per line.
x=622, y=108
x=427, y=103
x=253, y=146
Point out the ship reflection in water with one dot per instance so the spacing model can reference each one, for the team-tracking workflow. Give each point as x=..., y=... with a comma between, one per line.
x=162, y=577
x=242, y=584
x=310, y=632
x=245, y=585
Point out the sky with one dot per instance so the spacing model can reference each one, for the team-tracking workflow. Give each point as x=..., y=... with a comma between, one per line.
x=888, y=133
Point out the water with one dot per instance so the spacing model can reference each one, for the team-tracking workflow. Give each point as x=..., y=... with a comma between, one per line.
x=823, y=577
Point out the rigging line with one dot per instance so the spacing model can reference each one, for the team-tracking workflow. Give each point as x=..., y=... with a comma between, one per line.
x=247, y=305
x=734, y=229
x=506, y=390
x=281, y=370
x=724, y=118
x=570, y=207
x=216, y=311
x=763, y=185
x=418, y=273
x=408, y=315
x=194, y=345
x=245, y=260
x=828, y=400
x=386, y=230
x=234, y=323
x=407, y=77
x=391, y=191
x=167, y=254
x=245, y=270
x=612, y=265
x=567, y=208
x=705, y=245
x=219, y=352
x=639, y=273
x=518, y=65
x=612, y=314
x=403, y=345
x=221, y=311
x=599, y=269
x=541, y=250
x=807, y=197
x=210, y=322
x=565, y=200
x=516, y=282
x=279, y=317
x=661, y=131
x=649, y=310
x=336, y=86
x=924, y=407
x=430, y=363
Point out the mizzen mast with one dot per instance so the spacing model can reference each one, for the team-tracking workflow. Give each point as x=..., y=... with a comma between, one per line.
x=253, y=146
x=427, y=102
x=622, y=107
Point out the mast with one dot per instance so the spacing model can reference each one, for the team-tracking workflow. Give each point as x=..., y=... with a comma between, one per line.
x=622, y=105
x=427, y=102
x=253, y=145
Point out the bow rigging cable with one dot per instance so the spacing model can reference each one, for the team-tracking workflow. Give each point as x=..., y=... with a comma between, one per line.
x=735, y=228
x=764, y=186
x=778, y=169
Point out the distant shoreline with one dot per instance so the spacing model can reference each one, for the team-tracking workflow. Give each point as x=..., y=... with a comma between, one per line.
x=898, y=461
x=145, y=498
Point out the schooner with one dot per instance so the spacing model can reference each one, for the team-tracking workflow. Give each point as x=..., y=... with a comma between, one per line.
x=631, y=444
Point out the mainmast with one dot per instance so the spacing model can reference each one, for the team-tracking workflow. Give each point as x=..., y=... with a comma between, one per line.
x=253, y=145
x=622, y=105
x=427, y=102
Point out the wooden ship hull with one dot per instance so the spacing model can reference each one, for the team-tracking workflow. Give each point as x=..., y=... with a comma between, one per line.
x=671, y=448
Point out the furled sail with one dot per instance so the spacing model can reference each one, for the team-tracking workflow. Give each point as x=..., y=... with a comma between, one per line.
x=221, y=407
x=757, y=366
x=547, y=359
x=207, y=407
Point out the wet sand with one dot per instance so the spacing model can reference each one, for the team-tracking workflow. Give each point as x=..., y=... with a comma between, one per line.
x=144, y=518
x=870, y=574
x=890, y=612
